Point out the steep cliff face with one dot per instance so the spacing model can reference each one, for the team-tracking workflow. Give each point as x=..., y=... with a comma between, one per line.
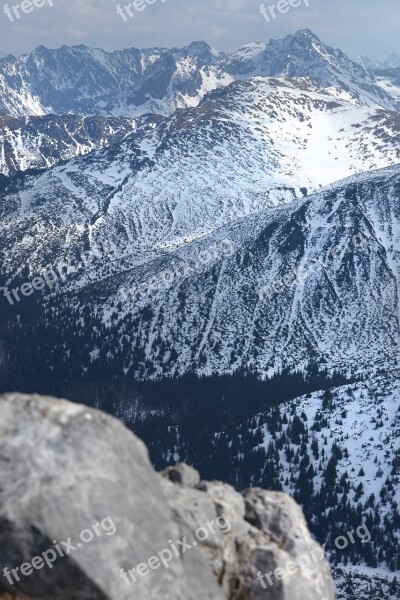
x=83, y=515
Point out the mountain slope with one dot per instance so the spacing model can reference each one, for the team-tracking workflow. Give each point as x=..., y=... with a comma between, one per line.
x=344, y=315
x=252, y=145
x=392, y=62
x=389, y=81
x=209, y=305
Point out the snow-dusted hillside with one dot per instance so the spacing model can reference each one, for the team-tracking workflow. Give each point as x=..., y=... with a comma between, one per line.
x=358, y=583
x=345, y=314
x=356, y=428
x=353, y=433
x=363, y=419
x=337, y=252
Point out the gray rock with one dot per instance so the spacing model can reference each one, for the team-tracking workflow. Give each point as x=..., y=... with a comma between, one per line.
x=217, y=502
x=286, y=559
x=195, y=515
x=268, y=552
x=183, y=474
x=65, y=468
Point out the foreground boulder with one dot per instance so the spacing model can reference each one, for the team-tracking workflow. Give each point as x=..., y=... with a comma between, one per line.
x=84, y=516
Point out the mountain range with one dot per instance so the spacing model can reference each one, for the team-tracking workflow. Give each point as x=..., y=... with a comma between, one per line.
x=209, y=315
x=132, y=82
x=191, y=212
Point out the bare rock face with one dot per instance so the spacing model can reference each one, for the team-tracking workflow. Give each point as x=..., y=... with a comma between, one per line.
x=83, y=516
x=262, y=549
x=288, y=556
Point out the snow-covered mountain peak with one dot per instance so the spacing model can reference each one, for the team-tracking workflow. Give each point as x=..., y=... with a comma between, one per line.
x=132, y=82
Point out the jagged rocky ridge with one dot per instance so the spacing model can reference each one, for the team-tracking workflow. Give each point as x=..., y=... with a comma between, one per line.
x=132, y=82
x=75, y=467
x=392, y=62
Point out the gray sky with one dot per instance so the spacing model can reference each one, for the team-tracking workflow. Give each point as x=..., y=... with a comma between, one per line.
x=368, y=27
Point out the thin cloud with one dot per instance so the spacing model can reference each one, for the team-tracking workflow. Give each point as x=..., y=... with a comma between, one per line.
x=356, y=26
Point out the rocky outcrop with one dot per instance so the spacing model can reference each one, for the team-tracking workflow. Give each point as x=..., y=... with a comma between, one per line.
x=84, y=516
x=42, y=142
